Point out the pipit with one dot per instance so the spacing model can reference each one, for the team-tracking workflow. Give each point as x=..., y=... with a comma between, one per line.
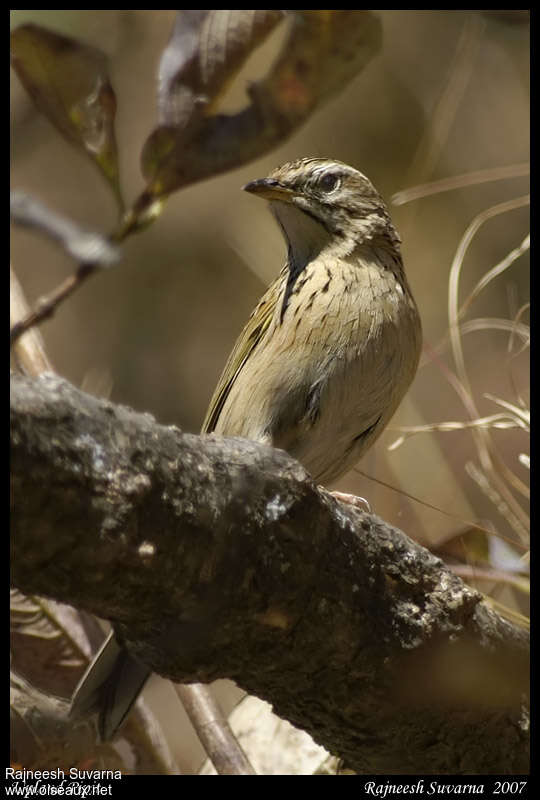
x=321, y=365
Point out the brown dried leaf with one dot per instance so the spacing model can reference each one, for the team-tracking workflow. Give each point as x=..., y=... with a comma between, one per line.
x=325, y=50
x=69, y=84
x=204, y=53
x=178, y=77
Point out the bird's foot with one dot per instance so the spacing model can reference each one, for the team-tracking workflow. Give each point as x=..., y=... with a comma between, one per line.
x=353, y=500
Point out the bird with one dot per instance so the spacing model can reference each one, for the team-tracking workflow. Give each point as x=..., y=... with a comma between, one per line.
x=321, y=365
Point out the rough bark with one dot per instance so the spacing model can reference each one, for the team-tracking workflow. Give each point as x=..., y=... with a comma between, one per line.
x=220, y=558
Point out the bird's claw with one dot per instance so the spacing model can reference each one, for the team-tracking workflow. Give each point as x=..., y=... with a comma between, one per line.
x=353, y=500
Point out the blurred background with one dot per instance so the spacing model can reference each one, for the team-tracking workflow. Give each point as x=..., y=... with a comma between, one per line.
x=447, y=94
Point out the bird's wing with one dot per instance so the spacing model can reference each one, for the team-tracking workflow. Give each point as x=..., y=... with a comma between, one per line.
x=256, y=327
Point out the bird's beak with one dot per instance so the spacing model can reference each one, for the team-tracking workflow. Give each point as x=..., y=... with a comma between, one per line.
x=269, y=189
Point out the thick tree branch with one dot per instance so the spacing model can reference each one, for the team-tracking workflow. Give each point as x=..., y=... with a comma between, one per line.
x=220, y=558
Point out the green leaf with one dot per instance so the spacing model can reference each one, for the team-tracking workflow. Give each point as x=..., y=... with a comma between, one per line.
x=68, y=82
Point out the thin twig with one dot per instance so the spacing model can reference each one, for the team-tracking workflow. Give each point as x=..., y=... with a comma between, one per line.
x=46, y=306
x=92, y=250
x=213, y=730
x=83, y=245
x=29, y=351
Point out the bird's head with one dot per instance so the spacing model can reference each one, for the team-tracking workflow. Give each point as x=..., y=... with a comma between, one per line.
x=334, y=195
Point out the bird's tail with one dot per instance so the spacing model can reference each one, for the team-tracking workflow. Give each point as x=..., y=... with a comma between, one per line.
x=109, y=687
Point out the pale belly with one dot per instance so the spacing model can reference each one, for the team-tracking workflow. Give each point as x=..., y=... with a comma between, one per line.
x=323, y=385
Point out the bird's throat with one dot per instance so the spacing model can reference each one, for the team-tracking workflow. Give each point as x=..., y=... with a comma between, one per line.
x=306, y=238
x=304, y=234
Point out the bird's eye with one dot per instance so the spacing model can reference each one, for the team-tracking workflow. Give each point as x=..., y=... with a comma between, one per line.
x=329, y=181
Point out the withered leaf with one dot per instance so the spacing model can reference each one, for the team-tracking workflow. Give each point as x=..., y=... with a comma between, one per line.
x=324, y=51
x=204, y=53
x=68, y=82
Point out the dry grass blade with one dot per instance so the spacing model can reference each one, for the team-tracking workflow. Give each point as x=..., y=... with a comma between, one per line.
x=514, y=328
x=495, y=271
x=499, y=421
x=517, y=523
x=489, y=460
x=455, y=270
x=468, y=523
x=460, y=182
x=432, y=143
x=474, y=574
x=521, y=415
